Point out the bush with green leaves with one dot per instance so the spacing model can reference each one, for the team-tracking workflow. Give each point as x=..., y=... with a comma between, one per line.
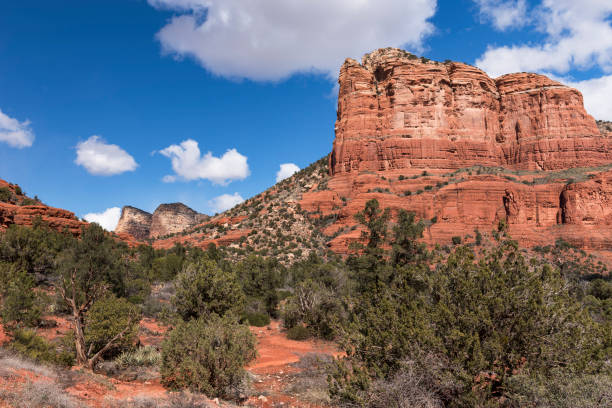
x=20, y=303
x=489, y=318
x=111, y=326
x=28, y=344
x=208, y=355
x=298, y=333
x=203, y=288
x=257, y=319
x=315, y=306
x=5, y=194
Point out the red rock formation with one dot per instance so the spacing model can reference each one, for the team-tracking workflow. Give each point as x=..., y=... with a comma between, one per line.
x=25, y=215
x=399, y=115
x=398, y=112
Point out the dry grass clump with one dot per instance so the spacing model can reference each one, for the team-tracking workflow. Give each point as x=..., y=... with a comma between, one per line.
x=310, y=384
x=39, y=395
x=11, y=361
x=183, y=399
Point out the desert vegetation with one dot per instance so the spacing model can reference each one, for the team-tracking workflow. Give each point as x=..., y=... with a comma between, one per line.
x=483, y=323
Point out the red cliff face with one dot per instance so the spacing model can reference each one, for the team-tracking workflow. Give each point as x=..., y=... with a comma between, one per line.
x=15, y=210
x=466, y=151
x=398, y=112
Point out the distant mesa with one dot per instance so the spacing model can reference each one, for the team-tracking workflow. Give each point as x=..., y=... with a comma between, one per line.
x=166, y=219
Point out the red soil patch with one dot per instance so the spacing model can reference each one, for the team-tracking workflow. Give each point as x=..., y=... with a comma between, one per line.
x=151, y=332
x=4, y=338
x=277, y=351
x=274, y=367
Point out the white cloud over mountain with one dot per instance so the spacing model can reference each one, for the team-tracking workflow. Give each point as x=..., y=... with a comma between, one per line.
x=102, y=159
x=225, y=202
x=577, y=36
x=273, y=39
x=189, y=164
x=286, y=170
x=15, y=133
x=108, y=219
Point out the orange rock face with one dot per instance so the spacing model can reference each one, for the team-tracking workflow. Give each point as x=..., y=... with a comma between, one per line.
x=464, y=151
x=397, y=112
x=56, y=218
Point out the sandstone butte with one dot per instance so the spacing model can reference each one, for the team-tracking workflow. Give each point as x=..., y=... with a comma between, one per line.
x=469, y=150
x=166, y=219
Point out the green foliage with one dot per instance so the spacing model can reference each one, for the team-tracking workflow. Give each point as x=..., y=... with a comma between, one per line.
x=203, y=288
x=560, y=390
x=375, y=220
x=32, y=249
x=5, y=194
x=20, y=306
x=258, y=319
x=498, y=315
x=261, y=278
x=208, y=356
x=27, y=343
x=316, y=306
x=298, y=333
x=107, y=319
x=456, y=240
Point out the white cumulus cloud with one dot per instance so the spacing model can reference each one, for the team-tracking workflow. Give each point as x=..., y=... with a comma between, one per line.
x=286, y=170
x=225, y=201
x=108, y=219
x=102, y=159
x=273, y=39
x=577, y=36
x=189, y=164
x=14, y=133
x=504, y=14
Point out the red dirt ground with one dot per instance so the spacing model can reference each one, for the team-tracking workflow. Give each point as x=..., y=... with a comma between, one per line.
x=272, y=369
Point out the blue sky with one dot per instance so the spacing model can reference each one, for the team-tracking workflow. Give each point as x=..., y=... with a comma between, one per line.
x=106, y=103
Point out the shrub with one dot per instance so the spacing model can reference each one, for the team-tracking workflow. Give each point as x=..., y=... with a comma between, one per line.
x=39, y=395
x=560, y=390
x=107, y=318
x=258, y=319
x=203, y=288
x=456, y=240
x=208, y=356
x=30, y=345
x=5, y=194
x=19, y=303
x=298, y=333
